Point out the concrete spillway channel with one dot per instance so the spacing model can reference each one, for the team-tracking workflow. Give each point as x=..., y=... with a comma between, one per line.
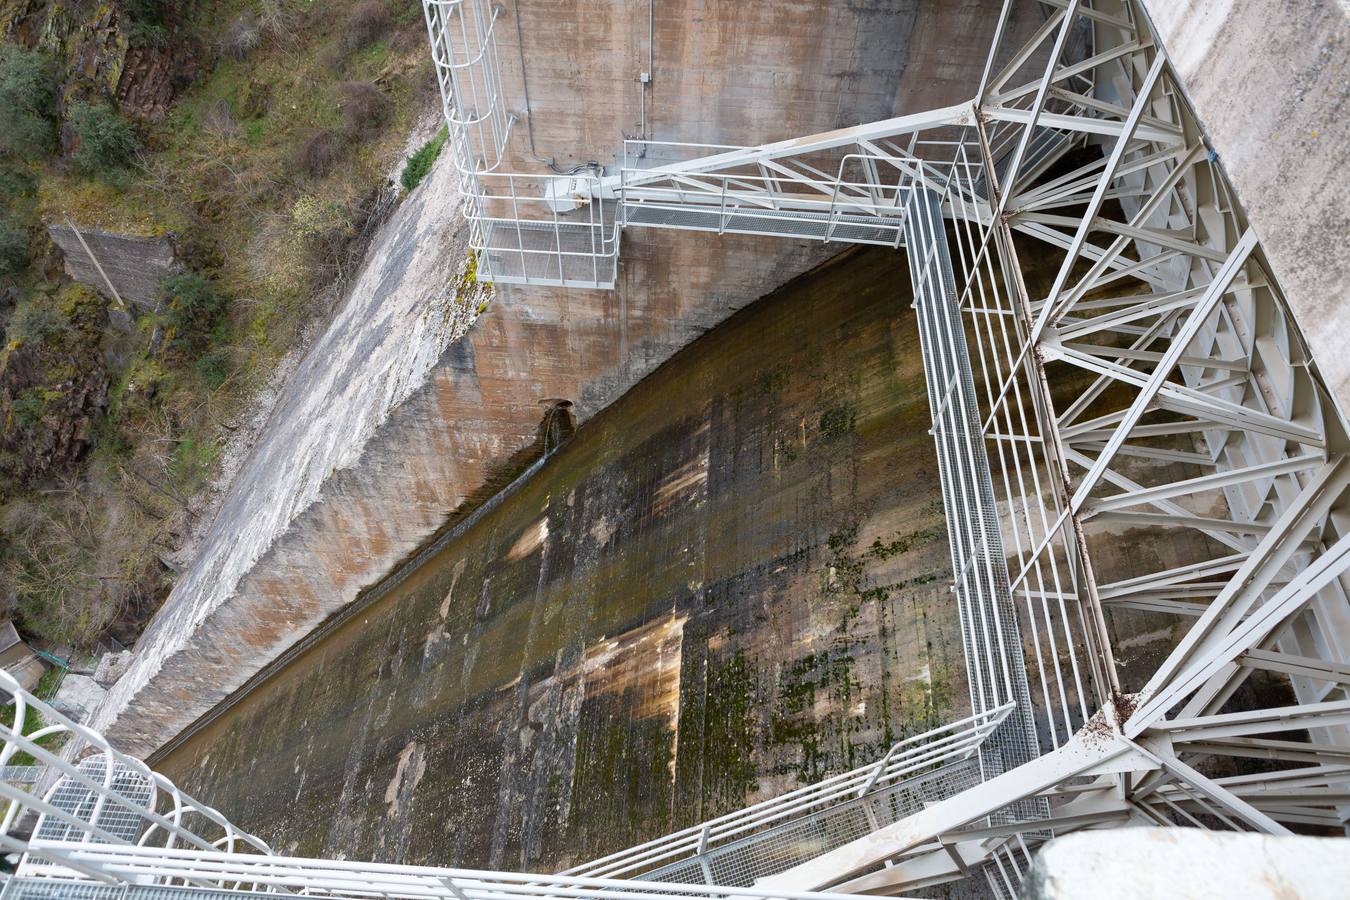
x=731, y=582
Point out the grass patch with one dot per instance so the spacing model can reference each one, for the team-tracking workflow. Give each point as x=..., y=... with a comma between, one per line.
x=32, y=721
x=192, y=463
x=420, y=163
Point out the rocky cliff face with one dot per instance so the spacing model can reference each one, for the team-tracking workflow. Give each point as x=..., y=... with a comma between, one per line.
x=96, y=47
x=243, y=150
x=53, y=386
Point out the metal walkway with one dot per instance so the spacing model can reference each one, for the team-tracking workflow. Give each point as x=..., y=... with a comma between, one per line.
x=106, y=827
x=771, y=837
x=1152, y=383
x=1155, y=384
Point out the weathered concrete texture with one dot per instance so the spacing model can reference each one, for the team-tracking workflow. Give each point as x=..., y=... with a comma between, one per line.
x=79, y=696
x=398, y=319
x=134, y=265
x=732, y=581
x=734, y=72
x=351, y=480
x=1144, y=863
x=1271, y=84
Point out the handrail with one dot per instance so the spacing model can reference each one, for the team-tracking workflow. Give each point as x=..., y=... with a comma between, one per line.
x=959, y=739
x=107, y=765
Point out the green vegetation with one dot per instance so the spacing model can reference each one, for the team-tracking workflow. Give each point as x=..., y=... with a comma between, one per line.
x=107, y=141
x=192, y=462
x=904, y=542
x=13, y=245
x=265, y=170
x=419, y=164
x=192, y=309
x=27, y=103
x=32, y=721
x=837, y=421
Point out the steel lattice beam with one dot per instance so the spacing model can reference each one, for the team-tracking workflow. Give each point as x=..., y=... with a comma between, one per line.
x=1157, y=383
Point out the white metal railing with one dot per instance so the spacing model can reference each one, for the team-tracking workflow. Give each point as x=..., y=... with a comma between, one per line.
x=1117, y=350
x=905, y=760
x=519, y=229
x=100, y=825
x=522, y=233
x=186, y=870
x=1156, y=381
x=91, y=792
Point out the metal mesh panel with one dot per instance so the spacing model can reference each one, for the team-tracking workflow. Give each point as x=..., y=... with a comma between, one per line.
x=990, y=633
x=168, y=892
x=549, y=253
x=741, y=863
x=854, y=229
x=80, y=801
x=50, y=889
x=20, y=774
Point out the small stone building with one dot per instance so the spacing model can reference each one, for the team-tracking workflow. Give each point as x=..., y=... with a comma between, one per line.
x=18, y=658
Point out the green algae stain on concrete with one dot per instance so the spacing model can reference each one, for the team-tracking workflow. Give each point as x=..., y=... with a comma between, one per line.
x=731, y=582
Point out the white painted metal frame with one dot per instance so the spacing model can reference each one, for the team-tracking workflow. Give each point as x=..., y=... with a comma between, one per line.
x=519, y=232
x=180, y=874
x=91, y=791
x=100, y=825
x=1125, y=367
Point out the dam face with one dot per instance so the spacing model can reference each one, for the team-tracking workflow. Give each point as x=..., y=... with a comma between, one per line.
x=435, y=422
x=730, y=583
x=612, y=563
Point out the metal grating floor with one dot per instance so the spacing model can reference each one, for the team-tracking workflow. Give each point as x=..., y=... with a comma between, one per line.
x=546, y=253
x=990, y=631
x=78, y=800
x=773, y=223
x=741, y=863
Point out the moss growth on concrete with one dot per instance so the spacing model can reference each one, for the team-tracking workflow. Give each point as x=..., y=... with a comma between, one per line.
x=527, y=666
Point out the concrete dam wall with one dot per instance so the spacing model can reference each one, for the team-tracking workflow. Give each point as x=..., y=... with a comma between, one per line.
x=732, y=581
x=392, y=424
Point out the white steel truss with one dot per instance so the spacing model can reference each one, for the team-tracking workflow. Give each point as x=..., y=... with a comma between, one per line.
x=1110, y=360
